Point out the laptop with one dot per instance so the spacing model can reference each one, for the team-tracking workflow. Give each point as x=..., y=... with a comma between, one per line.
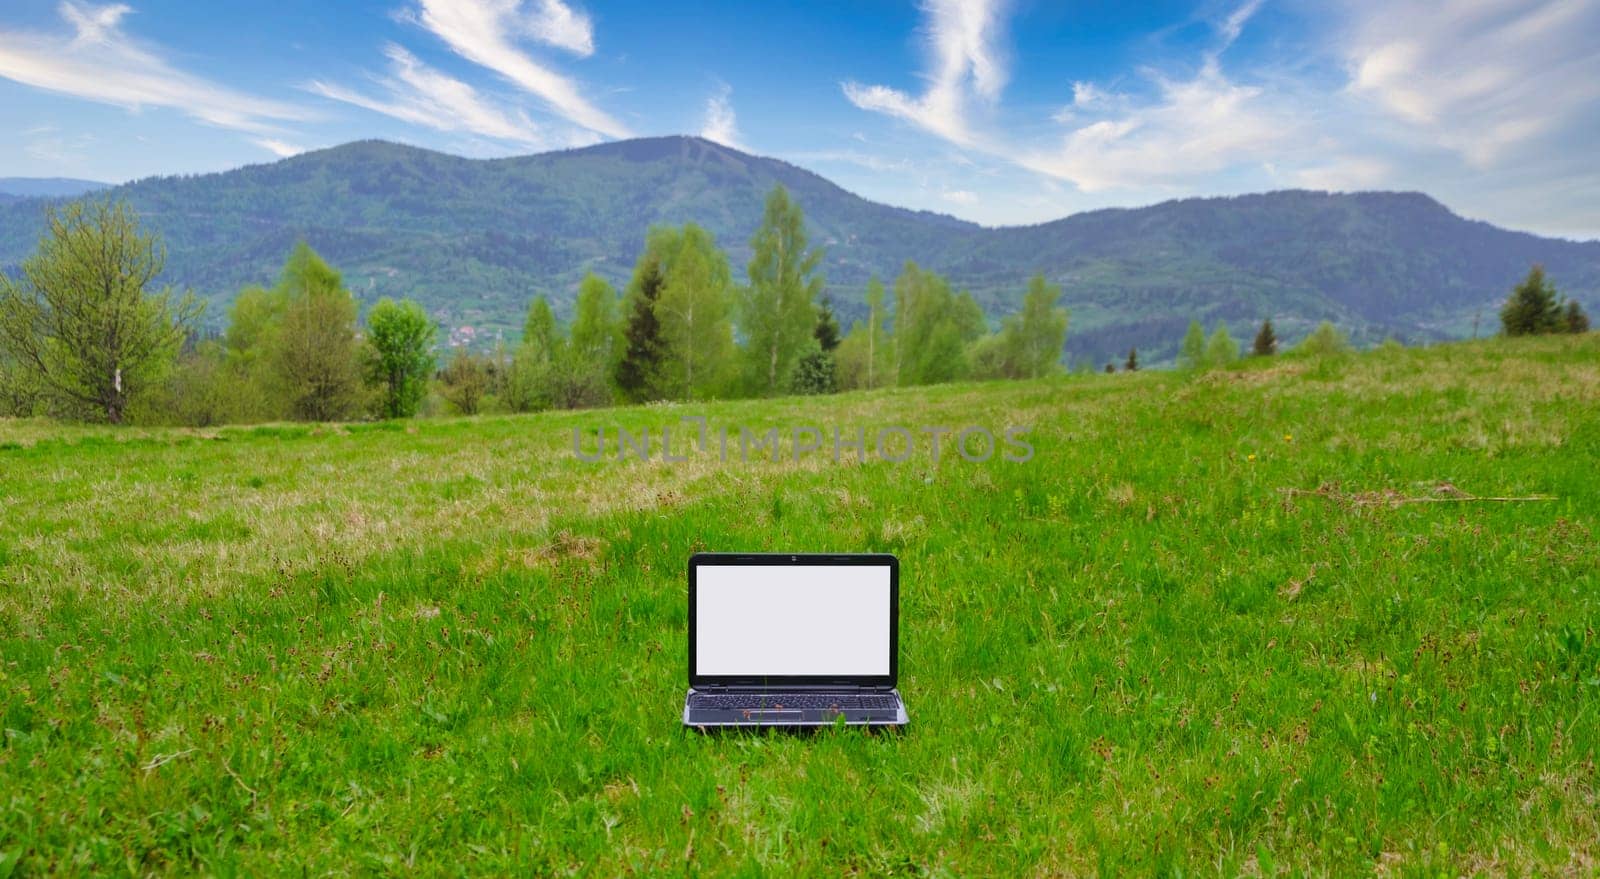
x=793, y=640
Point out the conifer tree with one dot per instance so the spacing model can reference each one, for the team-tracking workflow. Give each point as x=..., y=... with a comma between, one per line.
x=1266, y=343
x=638, y=373
x=1133, y=360
x=1532, y=307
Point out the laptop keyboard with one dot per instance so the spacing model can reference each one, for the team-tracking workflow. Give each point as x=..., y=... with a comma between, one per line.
x=835, y=701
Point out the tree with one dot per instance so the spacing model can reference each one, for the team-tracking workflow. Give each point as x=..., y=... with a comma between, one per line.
x=875, y=330
x=1132, y=365
x=1266, y=343
x=1532, y=307
x=315, y=352
x=399, y=356
x=1029, y=342
x=827, y=330
x=817, y=372
x=79, y=324
x=526, y=379
x=776, y=310
x=539, y=330
x=1324, y=342
x=638, y=373
x=465, y=382
x=932, y=328
x=1574, y=318
x=694, y=311
x=254, y=324
x=1192, y=351
x=594, y=324
x=585, y=362
x=1221, y=349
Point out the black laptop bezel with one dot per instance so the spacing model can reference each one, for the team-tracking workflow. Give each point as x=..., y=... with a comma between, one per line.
x=882, y=682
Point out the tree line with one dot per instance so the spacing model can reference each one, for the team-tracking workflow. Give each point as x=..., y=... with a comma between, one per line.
x=85, y=335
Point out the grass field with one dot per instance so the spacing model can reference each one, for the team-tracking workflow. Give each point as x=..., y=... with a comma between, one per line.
x=1253, y=623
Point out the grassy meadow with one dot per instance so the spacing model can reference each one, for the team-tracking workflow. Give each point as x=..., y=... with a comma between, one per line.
x=1262, y=621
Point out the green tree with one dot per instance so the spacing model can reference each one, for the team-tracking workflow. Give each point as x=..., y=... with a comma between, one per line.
x=464, y=383
x=1132, y=364
x=80, y=323
x=932, y=328
x=399, y=356
x=694, y=312
x=638, y=372
x=315, y=354
x=776, y=309
x=527, y=377
x=1192, y=351
x=1029, y=342
x=1532, y=307
x=254, y=324
x=1266, y=343
x=1574, y=319
x=827, y=330
x=817, y=372
x=1326, y=341
x=875, y=332
x=1221, y=349
x=594, y=323
x=201, y=391
x=581, y=370
x=539, y=329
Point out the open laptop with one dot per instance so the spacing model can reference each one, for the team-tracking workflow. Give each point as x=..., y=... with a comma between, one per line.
x=793, y=640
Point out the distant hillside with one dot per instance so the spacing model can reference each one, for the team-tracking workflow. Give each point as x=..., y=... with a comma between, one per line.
x=475, y=239
x=47, y=187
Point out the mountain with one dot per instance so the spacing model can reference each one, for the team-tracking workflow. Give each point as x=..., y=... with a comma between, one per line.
x=475, y=239
x=47, y=187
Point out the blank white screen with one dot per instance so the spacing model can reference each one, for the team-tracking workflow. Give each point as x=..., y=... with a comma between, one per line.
x=792, y=619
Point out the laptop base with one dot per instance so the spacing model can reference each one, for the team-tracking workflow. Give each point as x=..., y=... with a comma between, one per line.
x=769, y=710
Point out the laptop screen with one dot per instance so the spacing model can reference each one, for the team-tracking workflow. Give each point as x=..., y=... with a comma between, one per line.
x=772, y=620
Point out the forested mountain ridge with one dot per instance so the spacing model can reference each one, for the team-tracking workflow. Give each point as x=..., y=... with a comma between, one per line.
x=475, y=239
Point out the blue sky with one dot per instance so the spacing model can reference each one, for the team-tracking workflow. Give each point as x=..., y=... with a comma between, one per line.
x=998, y=112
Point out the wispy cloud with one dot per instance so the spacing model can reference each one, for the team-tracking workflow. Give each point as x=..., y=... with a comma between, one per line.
x=1193, y=129
x=487, y=33
x=721, y=125
x=965, y=59
x=281, y=149
x=557, y=24
x=417, y=93
x=1478, y=78
x=99, y=62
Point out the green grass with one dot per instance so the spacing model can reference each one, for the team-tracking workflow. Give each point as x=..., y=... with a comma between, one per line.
x=451, y=646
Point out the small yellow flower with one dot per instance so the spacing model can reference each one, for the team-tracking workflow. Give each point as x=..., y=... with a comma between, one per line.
x=1250, y=457
x=1288, y=437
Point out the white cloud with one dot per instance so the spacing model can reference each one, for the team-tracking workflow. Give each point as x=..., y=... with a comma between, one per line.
x=419, y=94
x=720, y=125
x=1193, y=129
x=557, y=24
x=963, y=45
x=279, y=148
x=1478, y=77
x=99, y=62
x=1345, y=174
x=959, y=196
x=486, y=33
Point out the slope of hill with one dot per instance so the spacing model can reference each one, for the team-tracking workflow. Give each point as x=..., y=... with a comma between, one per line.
x=47, y=187
x=474, y=240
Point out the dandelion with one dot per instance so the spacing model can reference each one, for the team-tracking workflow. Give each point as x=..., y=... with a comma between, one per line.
x=1288, y=437
x=1250, y=457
